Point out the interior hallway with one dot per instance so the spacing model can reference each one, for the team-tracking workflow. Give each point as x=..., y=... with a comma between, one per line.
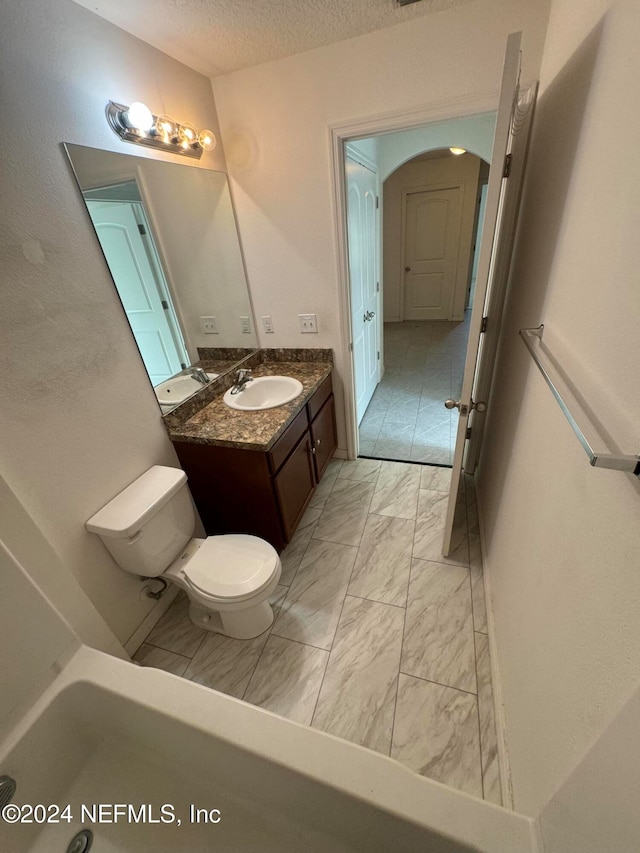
x=378, y=638
x=406, y=419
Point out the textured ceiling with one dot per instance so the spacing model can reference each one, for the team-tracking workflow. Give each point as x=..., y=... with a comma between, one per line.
x=218, y=36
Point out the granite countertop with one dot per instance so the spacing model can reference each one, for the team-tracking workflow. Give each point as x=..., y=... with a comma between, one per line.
x=212, y=365
x=218, y=424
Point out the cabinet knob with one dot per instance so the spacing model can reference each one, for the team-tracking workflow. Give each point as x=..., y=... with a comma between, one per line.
x=318, y=442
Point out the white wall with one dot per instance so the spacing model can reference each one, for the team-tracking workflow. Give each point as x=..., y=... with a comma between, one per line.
x=596, y=808
x=29, y=648
x=21, y=535
x=78, y=419
x=563, y=539
x=475, y=133
x=462, y=171
x=275, y=120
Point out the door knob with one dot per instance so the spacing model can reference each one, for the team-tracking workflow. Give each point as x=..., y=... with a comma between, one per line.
x=455, y=404
x=369, y=316
x=407, y=269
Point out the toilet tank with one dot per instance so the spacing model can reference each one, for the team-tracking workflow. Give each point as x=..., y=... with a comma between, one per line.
x=146, y=526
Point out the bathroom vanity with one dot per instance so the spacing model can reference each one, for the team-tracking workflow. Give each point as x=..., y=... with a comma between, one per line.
x=255, y=472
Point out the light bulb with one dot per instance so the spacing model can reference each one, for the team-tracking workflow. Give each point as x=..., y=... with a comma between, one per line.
x=207, y=140
x=139, y=116
x=187, y=131
x=458, y=151
x=166, y=126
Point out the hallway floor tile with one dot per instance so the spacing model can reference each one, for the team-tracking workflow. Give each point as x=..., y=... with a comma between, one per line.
x=406, y=419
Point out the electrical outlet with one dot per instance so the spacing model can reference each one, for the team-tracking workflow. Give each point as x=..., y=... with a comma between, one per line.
x=209, y=325
x=308, y=323
x=267, y=322
x=245, y=325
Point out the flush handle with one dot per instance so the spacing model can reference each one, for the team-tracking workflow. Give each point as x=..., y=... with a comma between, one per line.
x=135, y=538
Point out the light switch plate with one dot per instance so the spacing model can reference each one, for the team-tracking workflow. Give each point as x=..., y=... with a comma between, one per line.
x=308, y=323
x=209, y=325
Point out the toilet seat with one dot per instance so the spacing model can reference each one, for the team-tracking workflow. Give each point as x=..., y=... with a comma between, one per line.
x=231, y=567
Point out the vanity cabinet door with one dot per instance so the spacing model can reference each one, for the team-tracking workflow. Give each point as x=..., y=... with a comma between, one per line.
x=323, y=437
x=294, y=485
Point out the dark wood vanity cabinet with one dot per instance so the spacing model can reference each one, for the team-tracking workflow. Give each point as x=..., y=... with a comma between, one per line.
x=294, y=484
x=323, y=437
x=265, y=493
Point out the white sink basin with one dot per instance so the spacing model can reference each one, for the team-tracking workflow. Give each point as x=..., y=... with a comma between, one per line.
x=265, y=392
x=178, y=389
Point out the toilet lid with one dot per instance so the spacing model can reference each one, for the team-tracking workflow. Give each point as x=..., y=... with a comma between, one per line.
x=232, y=566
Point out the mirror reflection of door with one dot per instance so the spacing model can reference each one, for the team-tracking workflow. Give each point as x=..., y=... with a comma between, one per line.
x=128, y=247
x=362, y=188
x=169, y=235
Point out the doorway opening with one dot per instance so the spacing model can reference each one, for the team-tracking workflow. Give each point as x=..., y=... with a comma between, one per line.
x=412, y=263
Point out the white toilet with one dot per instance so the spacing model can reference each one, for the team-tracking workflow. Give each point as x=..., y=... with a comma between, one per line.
x=148, y=529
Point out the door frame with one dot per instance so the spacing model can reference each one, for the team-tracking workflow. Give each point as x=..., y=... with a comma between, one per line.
x=352, y=130
x=358, y=157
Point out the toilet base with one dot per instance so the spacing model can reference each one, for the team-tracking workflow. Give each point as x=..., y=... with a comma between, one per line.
x=240, y=624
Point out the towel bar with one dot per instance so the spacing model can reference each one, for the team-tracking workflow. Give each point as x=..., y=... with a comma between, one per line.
x=583, y=430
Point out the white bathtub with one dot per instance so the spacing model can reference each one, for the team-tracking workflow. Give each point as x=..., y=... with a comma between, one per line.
x=108, y=732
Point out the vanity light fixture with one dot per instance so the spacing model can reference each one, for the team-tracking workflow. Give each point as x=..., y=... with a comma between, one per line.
x=458, y=151
x=138, y=124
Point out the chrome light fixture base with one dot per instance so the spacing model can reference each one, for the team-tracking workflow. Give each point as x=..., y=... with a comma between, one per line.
x=151, y=138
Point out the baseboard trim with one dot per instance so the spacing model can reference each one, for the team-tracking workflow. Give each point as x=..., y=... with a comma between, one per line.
x=496, y=681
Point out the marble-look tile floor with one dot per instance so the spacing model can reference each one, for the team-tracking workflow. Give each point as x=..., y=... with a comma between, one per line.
x=377, y=638
x=406, y=418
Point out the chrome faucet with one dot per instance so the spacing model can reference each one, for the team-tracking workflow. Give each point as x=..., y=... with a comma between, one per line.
x=199, y=375
x=242, y=377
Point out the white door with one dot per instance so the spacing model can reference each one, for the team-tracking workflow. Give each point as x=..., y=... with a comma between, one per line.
x=497, y=234
x=501, y=262
x=431, y=240
x=144, y=302
x=363, y=274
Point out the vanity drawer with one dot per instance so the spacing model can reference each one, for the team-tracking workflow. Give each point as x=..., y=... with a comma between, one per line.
x=288, y=440
x=319, y=398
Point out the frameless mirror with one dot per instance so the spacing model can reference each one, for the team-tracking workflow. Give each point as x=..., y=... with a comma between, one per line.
x=168, y=234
